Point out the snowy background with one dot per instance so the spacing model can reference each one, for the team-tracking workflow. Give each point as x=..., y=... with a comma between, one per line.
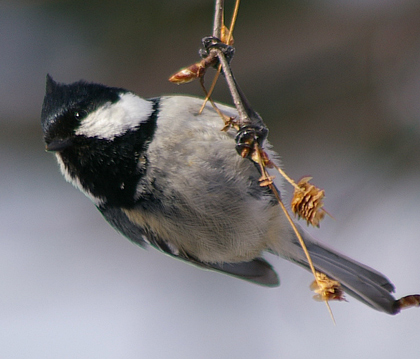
x=338, y=84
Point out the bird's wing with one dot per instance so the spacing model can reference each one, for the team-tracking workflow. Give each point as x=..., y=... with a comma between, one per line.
x=257, y=271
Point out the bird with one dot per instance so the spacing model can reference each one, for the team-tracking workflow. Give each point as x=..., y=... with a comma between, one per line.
x=165, y=176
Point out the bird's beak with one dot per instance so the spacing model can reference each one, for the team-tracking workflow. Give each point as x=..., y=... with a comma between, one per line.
x=58, y=145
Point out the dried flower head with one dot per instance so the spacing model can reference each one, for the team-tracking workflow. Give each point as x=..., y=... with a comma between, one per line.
x=307, y=202
x=326, y=288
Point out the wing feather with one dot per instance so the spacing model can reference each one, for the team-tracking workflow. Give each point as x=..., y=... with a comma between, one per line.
x=257, y=271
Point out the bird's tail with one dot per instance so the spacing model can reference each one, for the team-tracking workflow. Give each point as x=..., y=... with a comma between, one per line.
x=358, y=280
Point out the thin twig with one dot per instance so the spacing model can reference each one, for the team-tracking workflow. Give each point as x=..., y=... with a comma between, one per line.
x=302, y=244
x=216, y=29
x=218, y=18
x=212, y=86
x=237, y=100
x=288, y=179
x=233, y=22
x=236, y=97
x=276, y=193
x=220, y=113
x=247, y=116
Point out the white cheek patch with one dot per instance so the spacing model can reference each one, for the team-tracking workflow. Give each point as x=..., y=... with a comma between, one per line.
x=112, y=120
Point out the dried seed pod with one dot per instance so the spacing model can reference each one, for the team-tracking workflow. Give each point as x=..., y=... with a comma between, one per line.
x=307, y=202
x=326, y=288
x=188, y=74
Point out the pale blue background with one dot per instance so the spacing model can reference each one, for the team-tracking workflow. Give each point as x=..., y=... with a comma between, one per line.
x=338, y=83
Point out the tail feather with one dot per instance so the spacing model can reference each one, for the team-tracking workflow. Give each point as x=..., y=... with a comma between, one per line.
x=361, y=282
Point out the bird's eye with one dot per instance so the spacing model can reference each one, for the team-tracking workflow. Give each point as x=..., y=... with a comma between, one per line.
x=79, y=114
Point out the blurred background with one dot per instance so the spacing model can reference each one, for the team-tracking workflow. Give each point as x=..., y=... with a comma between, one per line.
x=338, y=84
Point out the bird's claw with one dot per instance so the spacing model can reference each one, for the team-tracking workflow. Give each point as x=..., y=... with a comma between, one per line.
x=211, y=42
x=247, y=137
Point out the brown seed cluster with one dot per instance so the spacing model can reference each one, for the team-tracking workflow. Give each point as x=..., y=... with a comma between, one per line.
x=326, y=288
x=307, y=202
